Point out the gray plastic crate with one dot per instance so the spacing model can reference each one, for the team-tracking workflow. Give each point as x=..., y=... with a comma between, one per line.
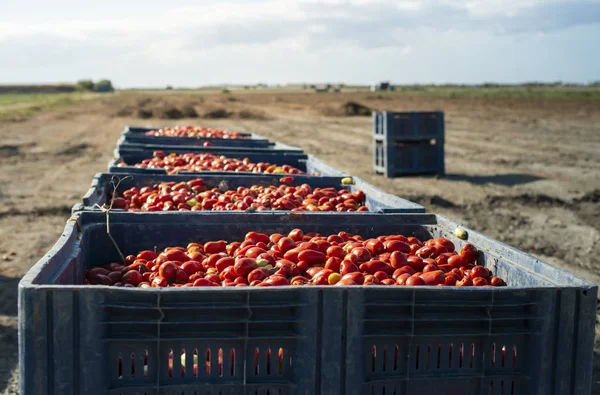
x=335, y=340
x=406, y=143
x=404, y=126
x=375, y=199
x=273, y=148
x=308, y=163
x=408, y=158
x=137, y=135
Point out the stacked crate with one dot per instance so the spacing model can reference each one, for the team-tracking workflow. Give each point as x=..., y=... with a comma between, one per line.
x=406, y=143
x=533, y=337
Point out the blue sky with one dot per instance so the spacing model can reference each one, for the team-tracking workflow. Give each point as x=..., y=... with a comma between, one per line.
x=193, y=43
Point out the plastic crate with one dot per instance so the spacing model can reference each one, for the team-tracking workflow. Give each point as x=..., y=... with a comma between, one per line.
x=407, y=158
x=275, y=148
x=376, y=200
x=307, y=163
x=334, y=340
x=404, y=126
x=136, y=135
x=406, y=143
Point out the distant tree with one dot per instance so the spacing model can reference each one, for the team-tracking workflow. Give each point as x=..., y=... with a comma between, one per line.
x=85, y=85
x=169, y=87
x=225, y=91
x=104, y=86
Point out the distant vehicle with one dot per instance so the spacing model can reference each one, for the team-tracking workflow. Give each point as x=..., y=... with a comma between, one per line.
x=383, y=86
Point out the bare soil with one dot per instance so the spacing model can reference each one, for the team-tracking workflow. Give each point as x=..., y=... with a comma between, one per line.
x=525, y=171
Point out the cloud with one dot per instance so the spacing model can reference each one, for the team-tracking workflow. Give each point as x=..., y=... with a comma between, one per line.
x=268, y=31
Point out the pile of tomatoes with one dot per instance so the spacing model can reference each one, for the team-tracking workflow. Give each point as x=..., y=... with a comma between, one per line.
x=301, y=259
x=174, y=163
x=195, y=131
x=195, y=195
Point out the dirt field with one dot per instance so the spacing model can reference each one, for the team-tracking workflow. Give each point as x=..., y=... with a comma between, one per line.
x=525, y=171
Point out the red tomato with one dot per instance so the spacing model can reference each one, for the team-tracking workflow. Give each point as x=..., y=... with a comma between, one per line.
x=414, y=281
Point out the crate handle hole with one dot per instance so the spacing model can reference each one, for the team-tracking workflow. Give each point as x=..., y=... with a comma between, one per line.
x=256, y=355
x=132, y=364
x=514, y=356
x=280, y=364
x=472, y=355
x=395, y=357
x=220, y=362
x=460, y=355
x=384, y=357
x=268, y=361
x=493, y=355
x=503, y=355
x=450, y=355
x=145, y=363
x=170, y=363
x=439, y=358
x=502, y=386
x=428, y=356
x=417, y=358
x=195, y=362
x=491, y=387
x=232, y=371
x=208, y=361
x=512, y=388
x=373, y=357
x=183, y=367
x=120, y=366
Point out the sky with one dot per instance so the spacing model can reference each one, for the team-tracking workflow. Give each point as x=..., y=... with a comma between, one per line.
x=151, y=43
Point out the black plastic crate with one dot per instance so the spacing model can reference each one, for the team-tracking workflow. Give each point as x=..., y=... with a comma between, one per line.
x=403, y=126
x=273, y=148
x=133, y=134
x=408, y=158
x=375, y=199
x=406, y=143
x=306, y=163
x=334, y=340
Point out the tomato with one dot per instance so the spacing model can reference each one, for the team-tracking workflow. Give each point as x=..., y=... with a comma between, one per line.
x=299, y=280
x=322, y=277
x=257, y=237
x=333, y=264
x=456, y=261
x=435, y=277
x=147, y=255
x=396, y=245
x=275, y=280
x=479, y=271
x=373, y=266
x=381, y=275
x=244, y=266
x=213, y=247
x=160, y=282
x=334, y=278
x=168, y=270
x=413, y=281
x=348, y=267
x=469, y=252
x=415, y=262
x=465, y=282
x=357, y=277
x=429, y=268
x=311, y=272
x=497, y=282
x=361, y=254
x=375, y=246
x=312, y=257
x=285, y=244
x=191, y=267
x=296, y=235
x=224, y=263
